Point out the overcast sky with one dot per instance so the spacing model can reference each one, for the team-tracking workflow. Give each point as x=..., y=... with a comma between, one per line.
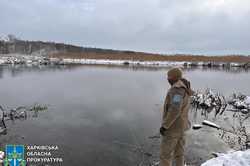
x=160, y=26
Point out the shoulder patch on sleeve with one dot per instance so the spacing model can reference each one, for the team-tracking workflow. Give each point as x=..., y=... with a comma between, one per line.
x=176, y=99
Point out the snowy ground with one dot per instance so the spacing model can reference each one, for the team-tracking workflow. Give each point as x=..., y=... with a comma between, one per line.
x=39, y=59
x=239, y=158
x=122, y=62
x=148, y=63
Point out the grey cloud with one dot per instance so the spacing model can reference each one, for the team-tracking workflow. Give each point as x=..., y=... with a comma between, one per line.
x=162, y=26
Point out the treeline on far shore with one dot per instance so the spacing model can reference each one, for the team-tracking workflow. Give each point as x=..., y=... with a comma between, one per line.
x=140, y=56
x=62, y=50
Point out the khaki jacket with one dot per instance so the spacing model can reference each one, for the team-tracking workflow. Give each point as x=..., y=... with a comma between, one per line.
x=176, y=107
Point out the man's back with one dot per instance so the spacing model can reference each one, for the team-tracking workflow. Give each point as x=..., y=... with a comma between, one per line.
x=176, y=106
x=175, y=119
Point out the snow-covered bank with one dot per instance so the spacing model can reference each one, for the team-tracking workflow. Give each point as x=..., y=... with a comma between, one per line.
x=25, y=59
x=210, y=100
x=153, y=63
x=122, y=62
x=43, y=60
x=37, y=60
x=239, y=158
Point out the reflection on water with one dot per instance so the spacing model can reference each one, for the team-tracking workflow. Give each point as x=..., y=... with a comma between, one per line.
x=16, y=70
x=20, y=113
x=94, y=107
x=229, y=70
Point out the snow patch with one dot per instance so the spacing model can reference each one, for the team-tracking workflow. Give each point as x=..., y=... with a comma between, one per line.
x=4, y=38
x=239, y=158
x=8, y=38
x=247, y=100
x=122, y=62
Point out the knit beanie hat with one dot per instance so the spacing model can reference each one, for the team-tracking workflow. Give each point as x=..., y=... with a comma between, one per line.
x=175, y=73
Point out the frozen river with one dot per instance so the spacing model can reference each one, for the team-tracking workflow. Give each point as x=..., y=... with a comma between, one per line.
x=93, y=110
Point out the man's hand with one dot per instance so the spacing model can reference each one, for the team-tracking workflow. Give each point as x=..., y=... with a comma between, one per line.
x=162, y=131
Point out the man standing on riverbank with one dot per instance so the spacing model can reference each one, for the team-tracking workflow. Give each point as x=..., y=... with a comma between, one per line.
x=175, y=119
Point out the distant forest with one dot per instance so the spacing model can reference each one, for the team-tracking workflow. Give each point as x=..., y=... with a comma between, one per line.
x=61, y=50
x=45, y=48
